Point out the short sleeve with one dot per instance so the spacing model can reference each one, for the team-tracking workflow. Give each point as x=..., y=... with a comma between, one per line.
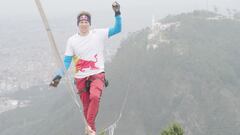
x=69, y=49
x=103, y=33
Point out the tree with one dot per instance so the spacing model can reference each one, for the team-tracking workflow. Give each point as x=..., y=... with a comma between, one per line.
x=174, y=129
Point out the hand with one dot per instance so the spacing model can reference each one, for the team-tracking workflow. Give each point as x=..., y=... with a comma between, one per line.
x=116, y=8
x=55, y=81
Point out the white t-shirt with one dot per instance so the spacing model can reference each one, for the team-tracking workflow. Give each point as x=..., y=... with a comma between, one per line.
x=87, y=52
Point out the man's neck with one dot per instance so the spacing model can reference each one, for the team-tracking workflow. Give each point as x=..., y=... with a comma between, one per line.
x=83, y=33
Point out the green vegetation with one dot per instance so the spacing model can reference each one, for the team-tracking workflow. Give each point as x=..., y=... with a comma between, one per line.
x=174, y=129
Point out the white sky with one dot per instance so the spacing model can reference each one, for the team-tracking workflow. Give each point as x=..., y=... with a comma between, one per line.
x=137, y=13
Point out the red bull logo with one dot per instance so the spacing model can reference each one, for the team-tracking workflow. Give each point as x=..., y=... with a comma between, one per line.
x=83, y=64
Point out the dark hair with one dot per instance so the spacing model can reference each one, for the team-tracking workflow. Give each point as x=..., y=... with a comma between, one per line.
x=84, y=13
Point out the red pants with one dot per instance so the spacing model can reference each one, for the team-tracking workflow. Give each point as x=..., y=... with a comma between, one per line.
x=90, y=99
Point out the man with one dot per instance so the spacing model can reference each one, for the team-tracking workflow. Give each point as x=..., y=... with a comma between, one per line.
x=86, y=50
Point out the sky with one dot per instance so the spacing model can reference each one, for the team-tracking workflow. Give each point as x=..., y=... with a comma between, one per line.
x=136, y=14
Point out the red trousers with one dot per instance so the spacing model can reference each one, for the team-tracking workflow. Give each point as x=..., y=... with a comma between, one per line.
x=90, y=99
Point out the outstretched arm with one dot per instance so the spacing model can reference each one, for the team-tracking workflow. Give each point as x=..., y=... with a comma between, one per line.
x=60, y=72
x=118, y=20
x=67, y=62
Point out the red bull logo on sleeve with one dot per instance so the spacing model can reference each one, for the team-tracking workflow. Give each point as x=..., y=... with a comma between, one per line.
x=82, y=64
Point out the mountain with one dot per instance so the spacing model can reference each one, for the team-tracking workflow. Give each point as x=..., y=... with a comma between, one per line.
x=183, y=68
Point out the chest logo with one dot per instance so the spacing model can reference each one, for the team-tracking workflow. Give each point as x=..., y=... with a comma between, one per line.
x=81, y=64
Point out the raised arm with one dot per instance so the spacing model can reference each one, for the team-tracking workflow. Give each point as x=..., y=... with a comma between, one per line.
x=118, y=20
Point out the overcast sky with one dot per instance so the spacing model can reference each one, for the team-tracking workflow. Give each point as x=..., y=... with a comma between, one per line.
x=135, y=12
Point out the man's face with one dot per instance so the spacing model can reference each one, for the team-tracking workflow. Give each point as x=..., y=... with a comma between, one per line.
x=84, y=26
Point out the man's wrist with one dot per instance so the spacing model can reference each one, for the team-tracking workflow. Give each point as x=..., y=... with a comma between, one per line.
x=60, y=72
x=117, y=13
